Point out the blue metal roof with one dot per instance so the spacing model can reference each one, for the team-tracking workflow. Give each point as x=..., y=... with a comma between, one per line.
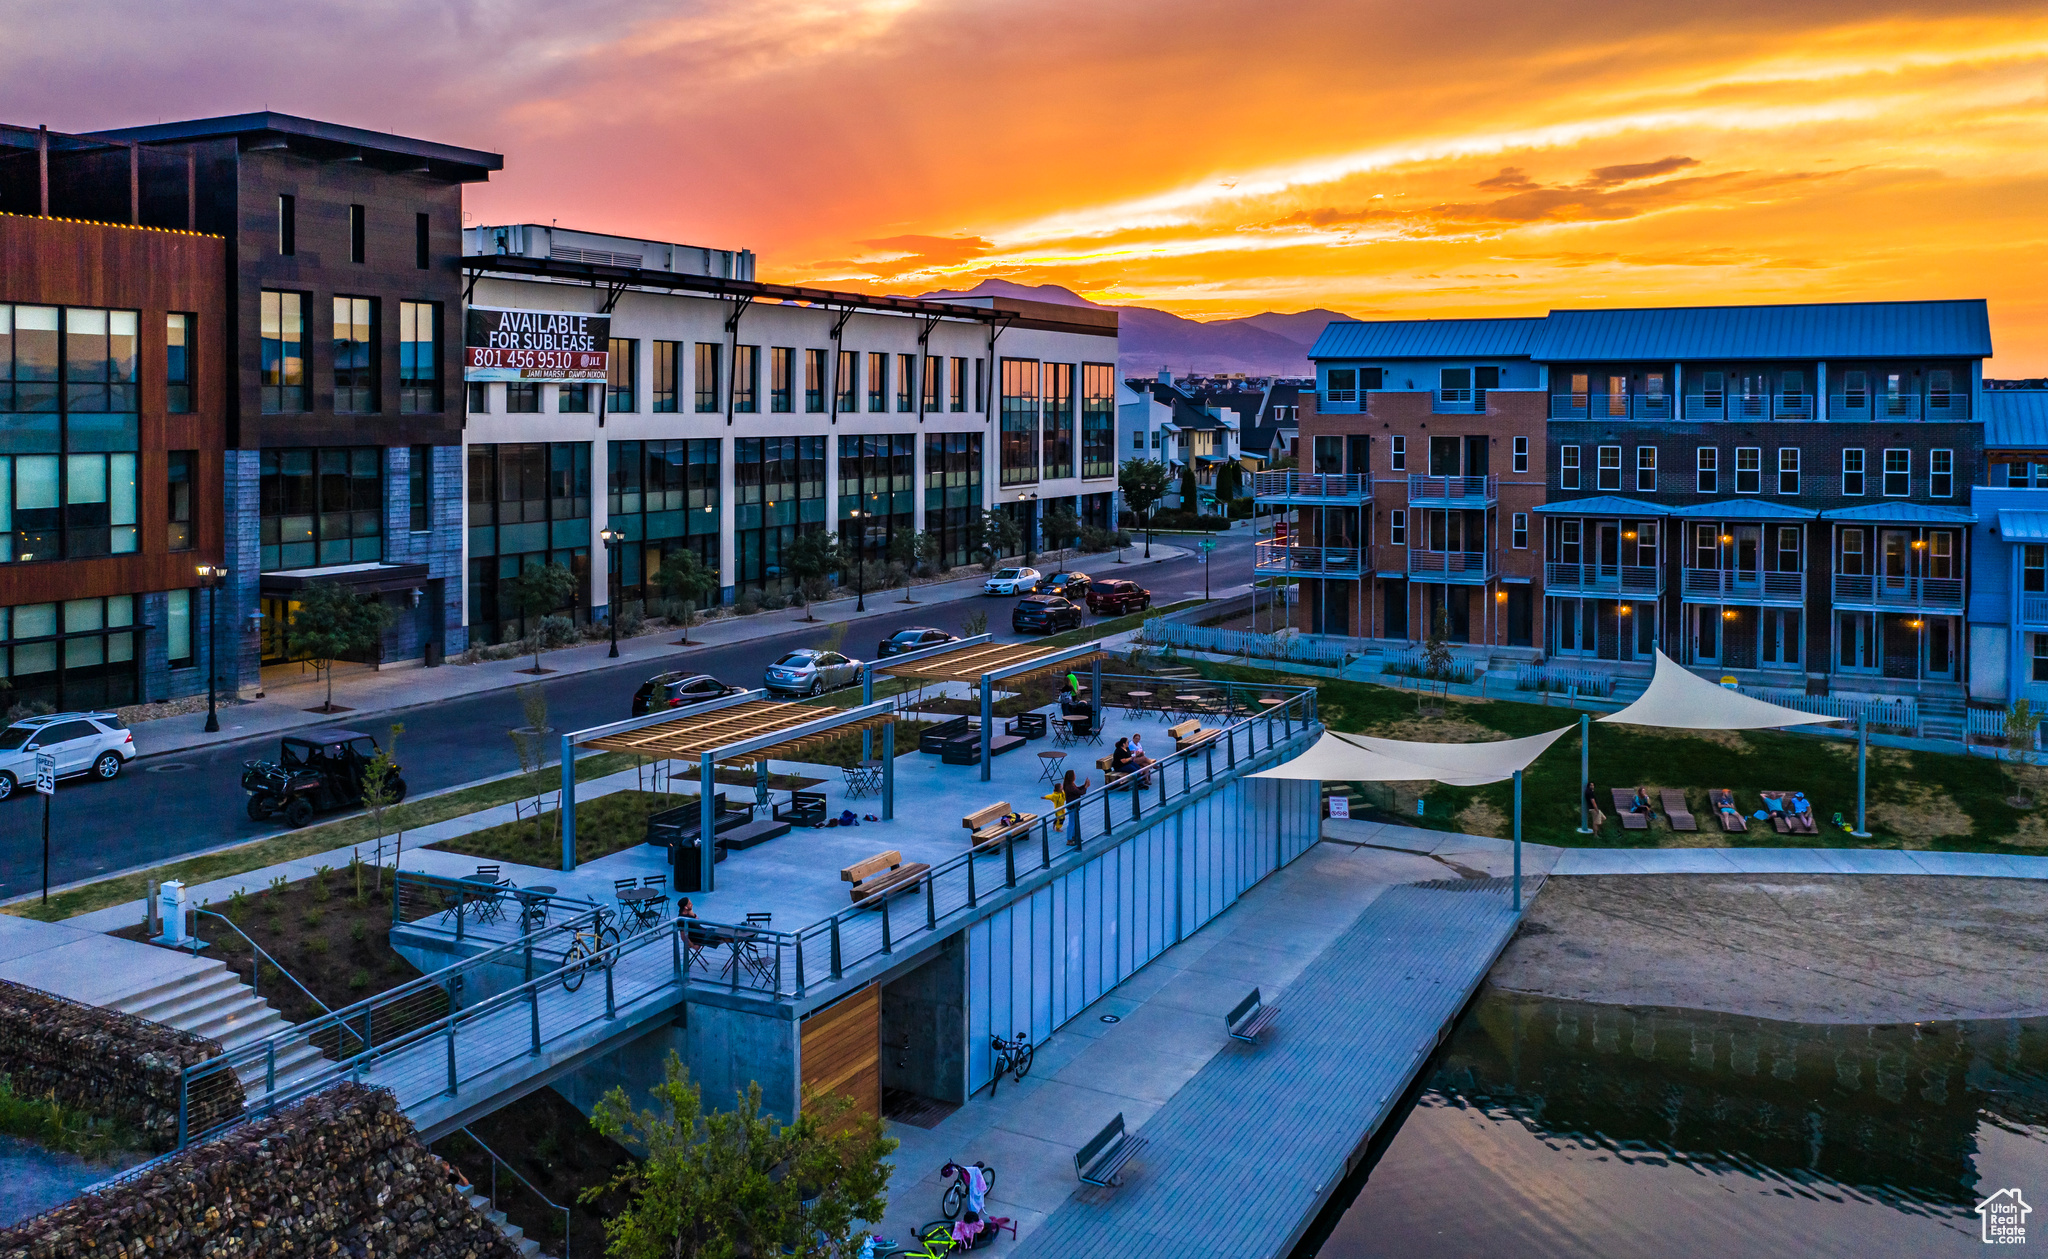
x=1603, y=505
x=2015, y=419
x=2023, y=524
x=1901, y=514
x=1744, y=509
x=1427, y=338
x=1833, y=330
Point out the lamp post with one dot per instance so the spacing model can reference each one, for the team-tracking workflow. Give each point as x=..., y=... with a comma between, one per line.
x=611, y=539
x=211, y=578
x=860, y=571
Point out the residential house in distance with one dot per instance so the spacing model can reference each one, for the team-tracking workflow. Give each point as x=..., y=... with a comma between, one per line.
x=1182, y=425
x=1274, y=430
x=2008, y=592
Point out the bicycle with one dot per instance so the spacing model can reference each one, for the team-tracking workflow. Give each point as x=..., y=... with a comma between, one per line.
x=935, y=1241
x=584, y=949
x=956, y=1191
x=1013, y=1056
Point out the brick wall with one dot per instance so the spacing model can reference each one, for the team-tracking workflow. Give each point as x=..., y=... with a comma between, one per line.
x=105, y=1062
x=342, y=1173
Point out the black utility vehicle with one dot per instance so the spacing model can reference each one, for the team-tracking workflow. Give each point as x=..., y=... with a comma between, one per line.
x=676, y=690
x=319, y=771
x=1042, y=614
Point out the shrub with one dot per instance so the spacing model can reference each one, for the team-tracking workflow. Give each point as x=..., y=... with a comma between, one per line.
x=359, y=980
x=357, y=932
x=773, y=603
x=556, y=631
x=749, y=603
x=631, y=622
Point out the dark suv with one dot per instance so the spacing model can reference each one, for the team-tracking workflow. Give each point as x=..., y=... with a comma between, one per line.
x=678, y=690
x=916, y=638
x=1073, y=587
x=1113, y=598
x=1042, y=614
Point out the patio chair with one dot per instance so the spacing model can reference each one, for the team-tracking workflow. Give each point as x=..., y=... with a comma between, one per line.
x=1731, y=817
x=746, y=948
x=1062, y=732
x=1632, y=807
x=1676, y=810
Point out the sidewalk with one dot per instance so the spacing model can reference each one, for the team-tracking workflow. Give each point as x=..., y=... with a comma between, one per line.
x=373, y=694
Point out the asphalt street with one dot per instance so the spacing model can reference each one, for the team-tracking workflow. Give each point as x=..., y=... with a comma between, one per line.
x=167, y=806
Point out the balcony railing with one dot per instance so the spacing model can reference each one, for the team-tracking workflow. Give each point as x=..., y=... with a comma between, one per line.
x=1323, y=561
x=1318, y=485
x=1451, y=565
x=1459, y=402
x=1898, y=406
x=1633, y=579
x=1899, y=592
x=1743, y=584
x=1749, y=406
x=2034, y=609
x=1469, y=491
x=1612, y=406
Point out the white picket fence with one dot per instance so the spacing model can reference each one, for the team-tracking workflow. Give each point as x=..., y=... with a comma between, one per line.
x=1891, y=716
x=1413, y=664
x=1539, y=677
x=1989, y=724
x=1287, y=645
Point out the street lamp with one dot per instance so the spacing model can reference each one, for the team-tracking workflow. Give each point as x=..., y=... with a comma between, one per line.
x=860, y=568
x=611, y=539
x=212, y=577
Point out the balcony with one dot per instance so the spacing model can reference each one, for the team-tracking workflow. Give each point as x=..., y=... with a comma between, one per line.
x=1742, y=585
x=1309, y=561
x=2034, y=609
x=1470, y=567
x=1901, y=593
x=1459, y=402
x=1311, y=487
x=1749, y=406
x=1603, y=406
x=1603, y=579
x=1900, y=406
x=1472, y=492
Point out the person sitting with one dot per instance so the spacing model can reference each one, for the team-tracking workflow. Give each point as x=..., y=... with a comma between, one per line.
x=1127, y=760
x=685, y=909
x=1639, y=805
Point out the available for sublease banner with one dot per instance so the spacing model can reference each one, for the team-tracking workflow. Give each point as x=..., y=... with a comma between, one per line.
x=543, y=345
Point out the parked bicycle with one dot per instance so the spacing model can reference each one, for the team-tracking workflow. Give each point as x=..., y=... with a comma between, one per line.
x=958, y=1192
x=1013, y=1056
x=936, y=1240
x=585, y=949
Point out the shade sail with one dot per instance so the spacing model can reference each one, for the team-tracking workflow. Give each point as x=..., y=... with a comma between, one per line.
x=1679, y=699
x=1362, y=758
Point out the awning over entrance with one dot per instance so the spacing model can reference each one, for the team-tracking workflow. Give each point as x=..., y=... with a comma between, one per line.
x=1901, y=514
x=366, y=578
x=1604, y=505
x=1744, y=509
x=2018, y=524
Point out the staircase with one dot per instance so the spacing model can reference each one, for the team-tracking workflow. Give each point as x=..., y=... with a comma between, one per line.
x=1941, y=717
x=213, y=1002
x=513, y=1233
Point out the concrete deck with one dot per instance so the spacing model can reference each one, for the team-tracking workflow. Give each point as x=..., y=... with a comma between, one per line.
x=82, y=964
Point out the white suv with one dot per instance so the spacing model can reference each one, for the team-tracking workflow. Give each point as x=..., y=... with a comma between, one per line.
x=85, y=743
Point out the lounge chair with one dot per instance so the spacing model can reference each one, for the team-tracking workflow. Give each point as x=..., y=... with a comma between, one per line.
x=1625, y=809
x=1785, y=818
x=1676, y=811
x=1723, y=801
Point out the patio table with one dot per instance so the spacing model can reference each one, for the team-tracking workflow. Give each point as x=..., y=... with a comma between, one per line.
x=645, y=904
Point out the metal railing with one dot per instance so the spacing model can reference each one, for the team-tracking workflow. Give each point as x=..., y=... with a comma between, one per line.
x=1478, y=489
x=1458, y=565
x=2034, y=609
x=1749, y=406
x=1646, y=579
x=259, y=955
x=1288, y=645
x=1742, y=583
x=1899, y=406
x=496, y=1163
x=1899, y=592
x=1288, y=484
x=1614, y=406
x=1345, y=561
x=1897, y=716
x=1459, y=401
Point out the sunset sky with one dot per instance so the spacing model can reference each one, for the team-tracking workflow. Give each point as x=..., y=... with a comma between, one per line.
x=1219, y=158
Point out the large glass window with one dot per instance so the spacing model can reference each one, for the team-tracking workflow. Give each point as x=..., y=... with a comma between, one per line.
x=1898, y=473
x=320, y=506
x=1852, y=472
x=877, y=478
x=181, y=469
x=178, y=628
x=522, y=397
x=934, y=384
x=355, y=355
x=814, y=381
x=952, y=492
x=419, y=358
x=70, y=655
x=781, y=382
x=779, y=492
x=419, y=489
x=623, y=372
x=1941, y=474
x=68, y=450
x=1059, y=420
x=1098, y=420
x=1018, y=453
x=708, y=354
x=959, y=400
x=878, y=381
x=847, y=396
x=529, y=505
x=666, y=384
x=1749, y=462
x=179, y=351
x=746, y=379
x=663, y=495
x=283, y=351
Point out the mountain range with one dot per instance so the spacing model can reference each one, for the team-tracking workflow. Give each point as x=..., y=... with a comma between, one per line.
x=1266, y=344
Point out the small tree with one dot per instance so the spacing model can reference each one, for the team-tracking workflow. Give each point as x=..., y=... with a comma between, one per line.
x=740, y=1182
x=975, y=625
x=1229, y=483
x=383, y=788
x=1062, y=527
x=813, y=558
x=538, y=590
x=995, y=535
x=684, y=581
x=1143, y=483
x=2021, y=724
x=331, y=622
x=929, y=554
x=1436, y=650
x=1190, y=492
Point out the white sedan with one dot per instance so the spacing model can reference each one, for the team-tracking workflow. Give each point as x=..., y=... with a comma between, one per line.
x=1012, y=581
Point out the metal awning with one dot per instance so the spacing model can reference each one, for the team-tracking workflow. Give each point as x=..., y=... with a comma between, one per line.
x=998, y=661
x=2020, y=524
x=1900, y=514
x=365, y=578
x=1744, y=509
x=1603, y=505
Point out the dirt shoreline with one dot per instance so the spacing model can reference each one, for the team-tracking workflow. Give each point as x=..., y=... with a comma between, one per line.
x=1803, y=948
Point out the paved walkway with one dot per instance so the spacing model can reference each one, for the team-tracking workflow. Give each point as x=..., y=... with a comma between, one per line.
x=370, y=693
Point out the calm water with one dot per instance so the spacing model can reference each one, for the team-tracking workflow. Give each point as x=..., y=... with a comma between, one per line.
x=33, y=1179
x=1558, y=1128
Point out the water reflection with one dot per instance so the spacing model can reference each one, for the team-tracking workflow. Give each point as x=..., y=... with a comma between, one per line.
x=1556, y=1127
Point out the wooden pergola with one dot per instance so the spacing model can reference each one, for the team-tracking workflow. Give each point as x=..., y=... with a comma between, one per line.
x=739, y=730
x=987, y=663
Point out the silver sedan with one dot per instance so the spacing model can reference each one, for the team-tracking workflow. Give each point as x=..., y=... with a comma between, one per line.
x=810, y=671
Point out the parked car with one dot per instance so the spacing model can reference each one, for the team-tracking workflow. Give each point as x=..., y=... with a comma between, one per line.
x=1042, y=614
x=315, y=772
x=1012, y=581
x=1114, y=598
x=84, y=743
x=677, y=690
x=810, y=670
x=1071, y=586
x=917, y=638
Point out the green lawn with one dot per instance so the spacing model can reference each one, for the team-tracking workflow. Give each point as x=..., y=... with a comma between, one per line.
x=604, y=825
x=1916, y=799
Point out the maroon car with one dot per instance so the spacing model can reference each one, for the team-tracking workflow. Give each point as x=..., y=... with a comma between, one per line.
x=1110, y=598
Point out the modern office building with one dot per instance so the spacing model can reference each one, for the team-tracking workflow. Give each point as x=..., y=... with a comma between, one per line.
x=729, y=416
x=342, y=401
x=113, y=392
x=1783, y=489
x=2008, y=591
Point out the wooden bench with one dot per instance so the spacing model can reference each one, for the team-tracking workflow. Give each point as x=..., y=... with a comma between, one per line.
x=987, y=828
x=805, y=808
x=1099, y=1161
x=881, y=876
x=1251, y=1017
x=1189, y=733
